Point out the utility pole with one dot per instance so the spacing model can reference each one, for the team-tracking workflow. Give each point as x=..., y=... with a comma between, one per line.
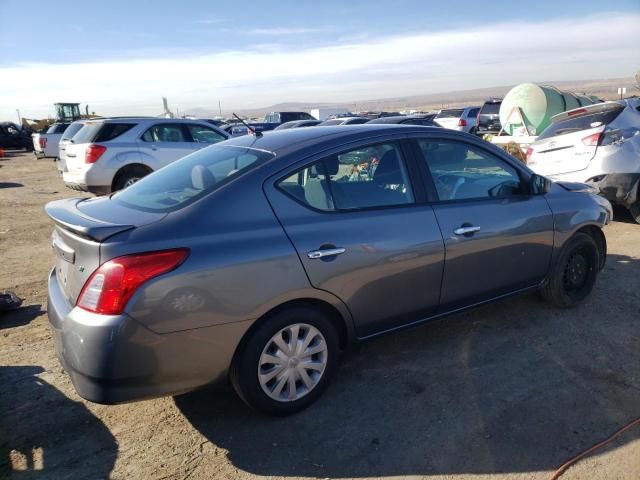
x=219, y=108
x=19, y=117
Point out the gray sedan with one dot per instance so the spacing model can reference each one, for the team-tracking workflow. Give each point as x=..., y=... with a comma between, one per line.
x=260, y=258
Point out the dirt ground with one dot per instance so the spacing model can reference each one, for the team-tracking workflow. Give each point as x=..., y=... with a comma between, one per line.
x=512, y=390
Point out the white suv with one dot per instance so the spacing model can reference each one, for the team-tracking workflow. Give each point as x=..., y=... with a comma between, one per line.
x=110, y=154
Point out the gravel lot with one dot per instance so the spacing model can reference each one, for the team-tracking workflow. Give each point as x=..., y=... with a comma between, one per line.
x=512, y=390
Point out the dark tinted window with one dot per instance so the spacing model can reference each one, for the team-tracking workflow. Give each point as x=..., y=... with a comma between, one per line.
x=450, y=113
x=290, y=116
x=490, y=108
x=357, y=121
x=373, y=176
x=473, y=113
x=334, y=121
x=190, y=178
x=582, y=122
x=164, y=132
x=111, y=131
x=462, y=171
x=58, y=128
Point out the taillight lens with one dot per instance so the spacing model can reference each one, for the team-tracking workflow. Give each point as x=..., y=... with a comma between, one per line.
x=462, y=122
x=42, y=142
x=592, y=140
x=113, y=284
x=93, y=153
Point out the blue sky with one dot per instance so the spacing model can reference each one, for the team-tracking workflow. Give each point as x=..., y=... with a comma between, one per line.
x=122, y=56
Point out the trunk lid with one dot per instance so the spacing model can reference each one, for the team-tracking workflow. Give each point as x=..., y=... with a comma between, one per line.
x=81, y=226
x=569, y=152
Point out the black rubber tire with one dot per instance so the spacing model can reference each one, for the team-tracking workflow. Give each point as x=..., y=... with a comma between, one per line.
x=133, y=171
x=555, y=290
x=635, y=211
x=244, y=369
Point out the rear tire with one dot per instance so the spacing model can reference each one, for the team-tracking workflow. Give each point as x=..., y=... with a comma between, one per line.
x=296, y=377
x=574, y=274
x=635, y=211
x=128, y=176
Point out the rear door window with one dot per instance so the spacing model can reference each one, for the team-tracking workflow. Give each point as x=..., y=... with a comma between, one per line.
x=462, y=172
x=581, y=122
x=202, y=134
x=165, y=132
x=372, y=176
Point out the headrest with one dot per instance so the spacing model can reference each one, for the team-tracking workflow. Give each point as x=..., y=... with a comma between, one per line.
x=331, y=164
x=202, y=178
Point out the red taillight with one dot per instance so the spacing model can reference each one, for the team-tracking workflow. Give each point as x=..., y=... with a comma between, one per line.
x=580, y=111
x=112, y=285
x=529, y=152
x=93, y=153
x=592, y=140
x=43, y=142
x=462, y=122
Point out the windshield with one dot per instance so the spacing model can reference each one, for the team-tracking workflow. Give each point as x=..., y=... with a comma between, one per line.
x=184, y=181
x=583, y=122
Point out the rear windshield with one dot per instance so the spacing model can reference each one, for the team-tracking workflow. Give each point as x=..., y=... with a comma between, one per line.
x=72, y=130
x=490, y=109
x=184, y=181
x=100, y=132
x=583, y=122
x=452, y=113
x=58, y=128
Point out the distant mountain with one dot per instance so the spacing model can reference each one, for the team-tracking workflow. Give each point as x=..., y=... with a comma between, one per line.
x=603, y=88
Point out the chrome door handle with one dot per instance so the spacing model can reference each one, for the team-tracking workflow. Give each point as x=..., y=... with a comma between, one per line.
x=327, y=252
x=466, y=230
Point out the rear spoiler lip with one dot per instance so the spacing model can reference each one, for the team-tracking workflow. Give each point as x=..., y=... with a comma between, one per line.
x=66, y=215
x=595, y=108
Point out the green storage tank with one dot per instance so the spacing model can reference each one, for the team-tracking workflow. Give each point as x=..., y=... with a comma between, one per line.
x=538, y=104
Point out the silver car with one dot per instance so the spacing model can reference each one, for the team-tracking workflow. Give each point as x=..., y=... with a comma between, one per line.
x=462, y=119
x=67, y=135
x=597, y=144
x=260, y=258
x=109, y=154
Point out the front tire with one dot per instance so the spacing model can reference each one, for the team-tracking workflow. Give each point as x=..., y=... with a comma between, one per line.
x=574, y=274
x=287, y=362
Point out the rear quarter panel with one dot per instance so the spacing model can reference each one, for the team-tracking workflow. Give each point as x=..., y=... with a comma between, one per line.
x=241, y=263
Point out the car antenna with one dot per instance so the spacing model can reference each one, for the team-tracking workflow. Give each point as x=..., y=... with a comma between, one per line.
x=253, y=130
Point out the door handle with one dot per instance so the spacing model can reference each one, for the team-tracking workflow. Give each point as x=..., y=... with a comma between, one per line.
x=466, y=230
x=326, y=252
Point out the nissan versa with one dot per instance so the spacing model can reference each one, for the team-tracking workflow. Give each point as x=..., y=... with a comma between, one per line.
x=260, y=258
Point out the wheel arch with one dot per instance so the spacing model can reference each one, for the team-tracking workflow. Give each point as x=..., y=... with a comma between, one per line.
x=333, y=313
x=126, y=167
x=598, y=236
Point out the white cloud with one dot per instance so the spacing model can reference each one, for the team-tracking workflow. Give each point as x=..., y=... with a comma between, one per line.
x=282, y=31
x=606, y=46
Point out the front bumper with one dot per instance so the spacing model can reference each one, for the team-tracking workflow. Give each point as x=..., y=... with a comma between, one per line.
x=115, y=359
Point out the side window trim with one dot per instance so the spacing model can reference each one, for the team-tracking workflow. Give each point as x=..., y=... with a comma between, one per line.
x=431, y=190
x=411, y=164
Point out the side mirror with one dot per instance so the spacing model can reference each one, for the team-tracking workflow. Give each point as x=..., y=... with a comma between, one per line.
x=539, y=184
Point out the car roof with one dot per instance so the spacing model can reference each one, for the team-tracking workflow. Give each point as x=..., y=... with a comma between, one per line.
x=282, y=141
x=398, y=118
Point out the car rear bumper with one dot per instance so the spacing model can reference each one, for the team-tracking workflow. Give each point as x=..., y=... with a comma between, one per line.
x=618, y=188
x=114, y=359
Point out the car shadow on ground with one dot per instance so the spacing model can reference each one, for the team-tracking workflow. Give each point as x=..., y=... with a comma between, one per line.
x=68, y=443
x=20, y=316
x=10, y=185
x=517, y=386
x=621, y=214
